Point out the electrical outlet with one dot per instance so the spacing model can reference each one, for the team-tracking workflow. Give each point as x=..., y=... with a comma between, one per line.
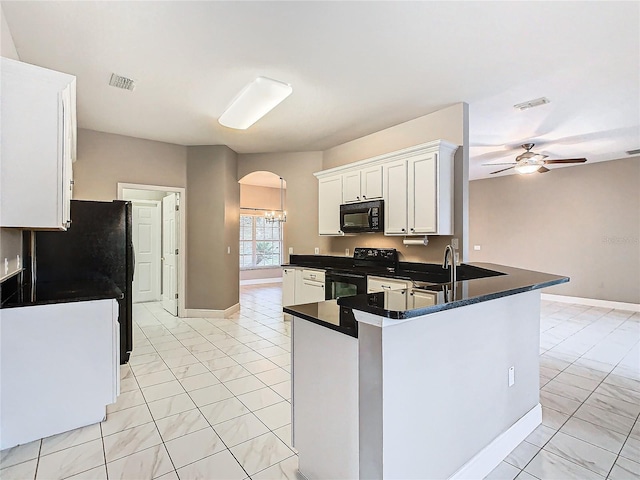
x=476, y=247
x=457, y=255
x=454, y=243
x=228, y=250
x=346, y=252
x=512, y=376
x=18, y=265
x=316, y=250
x=290, y=250
x=6, y=265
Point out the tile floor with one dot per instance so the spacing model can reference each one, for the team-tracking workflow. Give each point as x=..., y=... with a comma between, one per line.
x=209, y=399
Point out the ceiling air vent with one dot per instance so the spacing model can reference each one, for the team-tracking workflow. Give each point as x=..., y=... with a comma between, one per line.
x=634, y=152
x=119, y=81
x=532, y=103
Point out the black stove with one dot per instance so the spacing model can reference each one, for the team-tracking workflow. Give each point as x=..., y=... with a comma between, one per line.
x=376, y=259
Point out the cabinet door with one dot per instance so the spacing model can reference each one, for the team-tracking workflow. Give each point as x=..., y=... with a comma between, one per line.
x=37, y=146
x=422, y=299
x=351, y=187
x=288, y=286
x=371, y=183
x=329, y=200
x=395, y=198
x=422, y=194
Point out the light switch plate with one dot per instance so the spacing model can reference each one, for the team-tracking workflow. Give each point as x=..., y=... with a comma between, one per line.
x=290, y=250
x=476, y=247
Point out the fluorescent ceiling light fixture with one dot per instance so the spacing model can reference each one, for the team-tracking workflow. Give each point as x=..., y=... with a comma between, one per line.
x=254, y=102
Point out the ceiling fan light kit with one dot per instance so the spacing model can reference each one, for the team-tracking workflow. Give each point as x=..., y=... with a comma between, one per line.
x=253, y=102
x=530, y=162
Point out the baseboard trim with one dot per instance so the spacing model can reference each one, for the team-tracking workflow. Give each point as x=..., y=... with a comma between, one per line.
x=258, y=281
x=592, y=302
x=494, y=453
x=205, y=313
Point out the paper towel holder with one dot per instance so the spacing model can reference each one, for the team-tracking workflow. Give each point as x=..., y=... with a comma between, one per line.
x=416, y=241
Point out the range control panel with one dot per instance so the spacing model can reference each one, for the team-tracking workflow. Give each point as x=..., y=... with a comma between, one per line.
x=376, y=255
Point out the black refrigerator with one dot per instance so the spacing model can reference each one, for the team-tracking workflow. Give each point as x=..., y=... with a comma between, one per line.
x=97, y=248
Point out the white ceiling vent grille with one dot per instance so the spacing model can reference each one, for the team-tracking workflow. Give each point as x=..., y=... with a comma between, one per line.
x=119, y=81
x=532, y=103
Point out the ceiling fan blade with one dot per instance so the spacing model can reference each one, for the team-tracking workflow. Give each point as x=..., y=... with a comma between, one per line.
x=498, y=164
x=566, y=160
x=543, y=170
x=503, y=170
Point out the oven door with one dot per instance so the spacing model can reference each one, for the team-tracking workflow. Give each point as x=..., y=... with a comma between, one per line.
x=344, y=284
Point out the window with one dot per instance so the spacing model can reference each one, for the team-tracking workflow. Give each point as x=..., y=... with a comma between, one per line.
x=260, y=242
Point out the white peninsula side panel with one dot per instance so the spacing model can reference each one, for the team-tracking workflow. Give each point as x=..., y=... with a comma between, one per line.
x=59, y=368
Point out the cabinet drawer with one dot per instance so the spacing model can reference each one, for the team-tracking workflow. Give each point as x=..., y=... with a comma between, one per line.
x=379, y=284
x=313, y=275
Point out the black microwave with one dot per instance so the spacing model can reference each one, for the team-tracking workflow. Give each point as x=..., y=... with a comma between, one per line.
x=362, y=217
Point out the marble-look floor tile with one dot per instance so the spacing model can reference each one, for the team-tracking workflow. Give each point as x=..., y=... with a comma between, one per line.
x=71, y=438
x=260, y=366
x=619, y=393
x=586, y=372
x=558, y=403
x=581, y=453
x=276, y=415
x=181, y=424
x=98, y=473
x=21, y=471
x=19, y=454
x=144, y=465
x=608, y=420
x=284, y=434
x=283, y=389
x=174, y=362
x=210, y=355
x=568, y=391
x=281, y=360
x=525, y=476
x=504, y=471
x=151, y=367
x=578, y=381
x=128, y=384
x=614, y=405
x=594, y=434
x=222, y=411
x=522, y=454
x=70, y=461
x=548, y=466
x=126, y=400
x=271, y=377
x=285, y=470
x=240, y=429
x=553, y=419
x=231, y=373
x=171, y=406
x=125, y=419
x=247, y=357
x=625, y=469
x=211, y=394
x=149, y=379
x=631, y=449
x=623, y=382
x=142, y=359
x=131, y=441
x=220, y=466
x=194, y=446
x=261, y=452
x=196, y=382
x=189, y=370
x=162, y=390
x=244, y=385
x=260, y=398
x=172, y=475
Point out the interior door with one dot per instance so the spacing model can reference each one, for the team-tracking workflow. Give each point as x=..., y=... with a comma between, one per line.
x=170, y=254
x=146, y=241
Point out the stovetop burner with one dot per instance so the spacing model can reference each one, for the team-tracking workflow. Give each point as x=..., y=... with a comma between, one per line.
x=376, y=258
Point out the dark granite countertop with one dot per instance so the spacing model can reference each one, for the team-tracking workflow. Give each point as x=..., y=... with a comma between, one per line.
x=46, y=293
x=328, y=314
x=434, y=293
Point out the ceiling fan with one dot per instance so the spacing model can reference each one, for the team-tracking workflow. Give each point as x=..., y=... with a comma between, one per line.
x=530, y=162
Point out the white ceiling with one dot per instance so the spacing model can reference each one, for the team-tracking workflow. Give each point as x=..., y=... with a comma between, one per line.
x=355, y=68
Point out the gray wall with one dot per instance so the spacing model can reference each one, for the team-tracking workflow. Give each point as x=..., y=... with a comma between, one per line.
x=213, y=214
x=301, y=228
x=105, y=159
x=581, y=221
x=451, y=124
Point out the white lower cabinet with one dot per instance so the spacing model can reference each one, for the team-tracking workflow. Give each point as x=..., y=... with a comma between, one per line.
x=310, y=286
x=59, y=368
x=380, y=284
x=288, y=286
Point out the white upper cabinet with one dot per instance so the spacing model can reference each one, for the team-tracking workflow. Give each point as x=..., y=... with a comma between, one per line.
x=371, y=182
x=329, y=200
x=416, y=184
x=395, y=198
x=38, y=146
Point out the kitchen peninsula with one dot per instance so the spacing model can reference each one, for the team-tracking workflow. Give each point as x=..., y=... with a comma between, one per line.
x=421, y=382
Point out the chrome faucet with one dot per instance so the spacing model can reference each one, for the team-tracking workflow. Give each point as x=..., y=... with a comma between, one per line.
x=450, y=261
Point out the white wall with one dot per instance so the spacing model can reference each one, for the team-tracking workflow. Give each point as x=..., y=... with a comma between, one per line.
x=7, y=46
